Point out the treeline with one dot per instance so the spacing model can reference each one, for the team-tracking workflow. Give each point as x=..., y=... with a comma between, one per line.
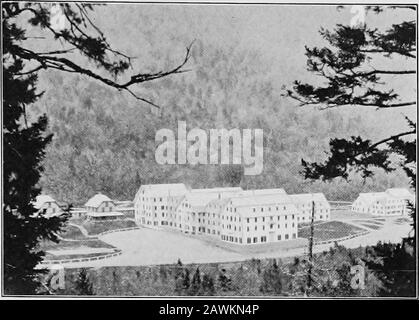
x=331, y=276
x=104, y=140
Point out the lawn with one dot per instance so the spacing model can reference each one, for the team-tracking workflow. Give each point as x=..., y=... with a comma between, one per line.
x=96, y=227
x=71, y=232
x=330, y=230
x=348, y=215
x=63, y=244
x=50, y=257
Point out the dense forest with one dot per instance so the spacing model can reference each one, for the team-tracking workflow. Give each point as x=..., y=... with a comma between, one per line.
x=105, y=140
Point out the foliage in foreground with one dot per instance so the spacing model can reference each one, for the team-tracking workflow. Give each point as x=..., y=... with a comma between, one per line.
x=389, y=271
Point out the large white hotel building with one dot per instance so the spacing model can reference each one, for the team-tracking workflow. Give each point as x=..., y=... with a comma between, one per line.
x=228, y=214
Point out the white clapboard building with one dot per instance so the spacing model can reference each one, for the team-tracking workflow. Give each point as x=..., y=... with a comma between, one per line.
x=259, y=219
x=392, y=202
x=100, y=207
x=228, y=214
x=46, y=204
x=304, y=204
x=154, y=204
x=191, y=215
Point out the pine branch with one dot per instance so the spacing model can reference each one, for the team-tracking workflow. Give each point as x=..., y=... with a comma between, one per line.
x=64, y=64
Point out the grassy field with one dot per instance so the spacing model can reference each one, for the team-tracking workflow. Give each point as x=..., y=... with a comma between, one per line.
x=74, y=256
x=71, y=232
x=63, y=244
x=330, y=230
x=96, y=227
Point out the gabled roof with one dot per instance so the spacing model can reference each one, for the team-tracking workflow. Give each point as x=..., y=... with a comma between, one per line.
x=371, y=197
x=201, y=197
x=400, y=193
x=256, y=192
x=164, y=190
x=260, y=200
x=307, y=197
x=389, y=194
x=218, y=190
x=246, y=194
x=97, y=200
x=41, y=200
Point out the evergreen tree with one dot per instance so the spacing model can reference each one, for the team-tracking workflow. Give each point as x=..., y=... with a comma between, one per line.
x=272, y=279
x=346, y=66
x=186, y=280
x=25, y=142
x=208, y=285
x=224, y=281
x=196, y=283
x=83, y=285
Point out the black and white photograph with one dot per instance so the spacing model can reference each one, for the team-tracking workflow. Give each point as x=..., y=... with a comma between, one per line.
x=208, y=150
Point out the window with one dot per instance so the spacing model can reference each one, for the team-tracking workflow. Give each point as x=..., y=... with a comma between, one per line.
x=249, y=240
x=279, y=237
x=255, y=240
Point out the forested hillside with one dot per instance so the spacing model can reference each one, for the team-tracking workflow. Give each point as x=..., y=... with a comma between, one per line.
x=104, y=140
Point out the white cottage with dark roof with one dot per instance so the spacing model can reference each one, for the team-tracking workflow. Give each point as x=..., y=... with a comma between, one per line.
x=47, y=204
x=101, y=207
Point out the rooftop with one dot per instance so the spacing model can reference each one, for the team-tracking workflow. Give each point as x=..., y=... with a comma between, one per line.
x=41, y=200
x=97, y=200
x=170, y=189
x=306, y=197
x=260, y=200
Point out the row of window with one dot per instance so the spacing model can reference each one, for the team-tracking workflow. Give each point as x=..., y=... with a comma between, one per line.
x=272, y=226
x=263, y=238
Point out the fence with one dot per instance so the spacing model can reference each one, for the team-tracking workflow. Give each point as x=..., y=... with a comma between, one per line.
x=63, y=261
x=117, y=230
x=343, y=238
